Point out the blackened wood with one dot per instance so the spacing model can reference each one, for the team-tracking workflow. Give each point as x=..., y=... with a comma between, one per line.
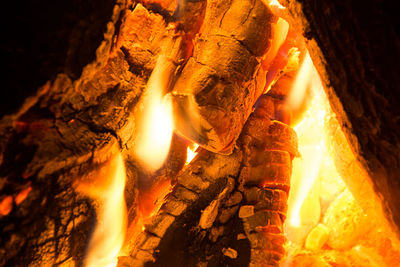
x=71, y=126
x=173, y=236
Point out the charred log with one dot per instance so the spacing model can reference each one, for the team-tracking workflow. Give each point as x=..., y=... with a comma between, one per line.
x=218, y=85
x=72, y=126
x=225, y=210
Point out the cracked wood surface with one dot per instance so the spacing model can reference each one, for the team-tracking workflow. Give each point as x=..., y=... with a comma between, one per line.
x=71, y=127
x=225, y=203
x=220, y=83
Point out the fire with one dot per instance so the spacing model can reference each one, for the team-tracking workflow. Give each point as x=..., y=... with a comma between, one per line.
x=306, y=169
x=191, y=153
x=109, y=234
x=156, y=122
x=274, y=4
x=6, y=205
x=150, y=200
x=281, y=30
x=311, y=142
x=324, y=220
x=303, y=79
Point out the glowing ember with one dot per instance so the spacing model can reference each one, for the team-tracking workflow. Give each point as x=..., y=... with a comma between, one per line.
x=6, y=205
x=109, y=234
x=151, y=200
x=22, y=195
x=191, y=153
x=156, y=124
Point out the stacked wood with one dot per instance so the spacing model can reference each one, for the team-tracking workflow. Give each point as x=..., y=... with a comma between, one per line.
x=90, y=85
x=85, y=113
x=220, y=83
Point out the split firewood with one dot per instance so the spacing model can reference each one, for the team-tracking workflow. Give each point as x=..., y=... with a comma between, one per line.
x=219, y=84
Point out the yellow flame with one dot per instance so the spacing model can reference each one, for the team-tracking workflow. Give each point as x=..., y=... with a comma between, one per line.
x=109, y=234
x=156, y=123
x=276, y=8
x=301, y=82
x=274, y=3
x=312, y=147
x=305, y=169
x=191, y=153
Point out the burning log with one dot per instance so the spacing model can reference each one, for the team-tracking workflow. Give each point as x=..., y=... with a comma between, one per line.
x=242, y=198
x=222, y=80
x=197, y=186
x=83, y=116
x=73, y=126
x=269, y=147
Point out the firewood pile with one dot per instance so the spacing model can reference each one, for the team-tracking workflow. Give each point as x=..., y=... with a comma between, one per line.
x=73, y=126
x=242, y=196
x=227, y=73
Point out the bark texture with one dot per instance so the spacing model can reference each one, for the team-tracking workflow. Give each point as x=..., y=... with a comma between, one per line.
x=225, y=210
x=220, y=83
x=356, y=49
x=76, y=121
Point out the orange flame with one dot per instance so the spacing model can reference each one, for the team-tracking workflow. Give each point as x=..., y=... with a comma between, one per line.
x=109, y=234
x=281, y=30
x=191, y=153
x=156, y=124
x=22, y=195
x=150, y=200
x=6, y=205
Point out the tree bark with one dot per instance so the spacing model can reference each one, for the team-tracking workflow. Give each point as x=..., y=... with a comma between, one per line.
x=218, y=86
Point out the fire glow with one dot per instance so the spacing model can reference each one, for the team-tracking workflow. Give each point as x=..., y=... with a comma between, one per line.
x=311, y=140
x=323, y=216
x=109, y=233
x=191, y=153
x=156, y=124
